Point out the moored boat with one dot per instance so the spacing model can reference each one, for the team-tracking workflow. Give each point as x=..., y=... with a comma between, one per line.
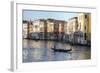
x=61, y=50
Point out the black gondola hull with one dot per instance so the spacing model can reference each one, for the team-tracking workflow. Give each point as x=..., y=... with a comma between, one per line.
x=61, y=50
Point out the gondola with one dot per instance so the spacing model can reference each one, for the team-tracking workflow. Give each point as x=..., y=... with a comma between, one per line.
x=61, y=50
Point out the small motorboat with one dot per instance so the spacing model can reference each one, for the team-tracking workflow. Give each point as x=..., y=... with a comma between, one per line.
x=61, y=50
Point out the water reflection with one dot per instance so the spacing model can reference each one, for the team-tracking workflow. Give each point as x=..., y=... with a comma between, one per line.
x=34, y=51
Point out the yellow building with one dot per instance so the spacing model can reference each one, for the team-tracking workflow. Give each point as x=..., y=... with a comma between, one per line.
x=84, y=25
x=50, y=25
x=62, y=25
x=66, y=27
x=39, y=25
x=36, y=26
x=89, y=28
x=50, y=28
x=39, y=28
x=42, y=24
x=30, y=27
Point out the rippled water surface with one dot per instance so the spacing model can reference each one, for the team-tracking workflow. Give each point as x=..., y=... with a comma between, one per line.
x=37, y=51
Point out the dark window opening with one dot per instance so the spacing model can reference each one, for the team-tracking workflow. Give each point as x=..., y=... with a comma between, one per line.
x=85, y=36
x=85, y=16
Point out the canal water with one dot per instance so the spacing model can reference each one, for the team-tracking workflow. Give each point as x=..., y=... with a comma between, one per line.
x=38, y=51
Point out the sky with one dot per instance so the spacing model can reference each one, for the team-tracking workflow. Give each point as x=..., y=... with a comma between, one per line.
x=33, y=15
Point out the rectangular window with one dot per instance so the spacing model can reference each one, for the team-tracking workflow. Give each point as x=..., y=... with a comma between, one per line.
x=85, y=35
x=85, y=16
x=36, y=26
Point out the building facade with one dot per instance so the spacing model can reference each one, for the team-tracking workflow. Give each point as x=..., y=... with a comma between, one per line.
x=84, y=26
x=77, y=30
x=24, y=30
x=43, y=29
x=39, y=29
x=29, y=29
x=62, y=30
x=72, y=28
x=50, y=29
x=55, y=29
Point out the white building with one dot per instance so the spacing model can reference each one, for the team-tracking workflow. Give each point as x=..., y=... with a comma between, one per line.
x=25, y=30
